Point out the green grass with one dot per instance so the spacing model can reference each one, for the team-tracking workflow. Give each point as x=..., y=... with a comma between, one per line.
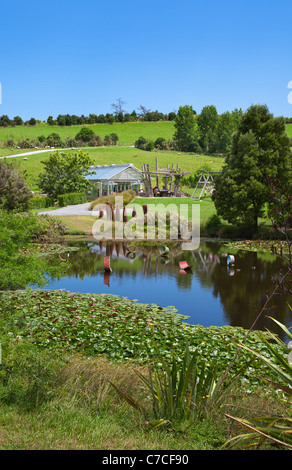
x=128, y=132
x=84, y=223
x=207, y=207
x=289, y=130
x=109, y=155
x=72, y=424
x=6, y=152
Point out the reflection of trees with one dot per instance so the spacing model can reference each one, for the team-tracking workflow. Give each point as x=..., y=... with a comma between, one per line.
x=243, y=293
x=241, y=289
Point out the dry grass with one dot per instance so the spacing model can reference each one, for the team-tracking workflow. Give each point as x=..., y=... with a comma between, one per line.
x=91, y=378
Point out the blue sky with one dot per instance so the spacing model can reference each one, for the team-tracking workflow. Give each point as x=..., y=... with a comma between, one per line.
x=74, y=57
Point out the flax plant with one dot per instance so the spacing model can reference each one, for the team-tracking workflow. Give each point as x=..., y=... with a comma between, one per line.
x=181, y=389
x=276, y=430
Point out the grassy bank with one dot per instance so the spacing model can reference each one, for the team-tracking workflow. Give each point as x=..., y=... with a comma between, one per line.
x=87, y=414
x=61, y=352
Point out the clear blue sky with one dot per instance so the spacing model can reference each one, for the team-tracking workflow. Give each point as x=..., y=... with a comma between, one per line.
x=78, y=57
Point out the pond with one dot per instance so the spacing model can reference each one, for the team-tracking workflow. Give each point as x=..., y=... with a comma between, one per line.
x=211, y=293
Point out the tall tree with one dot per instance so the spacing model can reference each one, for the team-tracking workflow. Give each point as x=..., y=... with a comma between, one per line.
x=260, y=151
x=186, y=129
x=227, y=124
x=207, y=122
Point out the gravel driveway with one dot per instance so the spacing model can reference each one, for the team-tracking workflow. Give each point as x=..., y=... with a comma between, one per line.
x=77, y=209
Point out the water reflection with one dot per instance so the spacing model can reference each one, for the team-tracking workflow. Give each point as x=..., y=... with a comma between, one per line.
x=210, y=293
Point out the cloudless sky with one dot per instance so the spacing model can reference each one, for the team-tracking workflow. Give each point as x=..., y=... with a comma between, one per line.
x=78, y=57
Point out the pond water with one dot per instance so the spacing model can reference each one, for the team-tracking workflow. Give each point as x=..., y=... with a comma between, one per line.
x=210, y=294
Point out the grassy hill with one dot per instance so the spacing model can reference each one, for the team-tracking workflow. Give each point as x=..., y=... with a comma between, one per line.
x=128, y=132
x=108, y=155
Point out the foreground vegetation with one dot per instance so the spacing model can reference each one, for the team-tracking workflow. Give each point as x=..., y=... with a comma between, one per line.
x=65, y=356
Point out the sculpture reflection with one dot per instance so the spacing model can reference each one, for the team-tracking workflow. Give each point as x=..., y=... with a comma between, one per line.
x=212, y=293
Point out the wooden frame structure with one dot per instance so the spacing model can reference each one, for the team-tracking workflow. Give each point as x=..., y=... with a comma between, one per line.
x=206, y=182
x=169, y=173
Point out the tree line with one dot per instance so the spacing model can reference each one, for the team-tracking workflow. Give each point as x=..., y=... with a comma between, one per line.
x=208, y=132
x=64, y=120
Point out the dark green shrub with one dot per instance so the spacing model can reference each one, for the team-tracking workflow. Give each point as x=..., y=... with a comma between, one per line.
x=42, y=202
x=54, y=140
x=160, y=143
x=71, y=199
x=213, y=225
x=149, y=146
x=85, y=134
x=141, y=143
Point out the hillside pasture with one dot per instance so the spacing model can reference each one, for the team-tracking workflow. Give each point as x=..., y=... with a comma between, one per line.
x=128, y=132
x=116, y=155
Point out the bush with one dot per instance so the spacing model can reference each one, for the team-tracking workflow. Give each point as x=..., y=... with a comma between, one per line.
x=85, y=134
x=213, y=225
x=160, y=143
x=41, y=138
x=149, y=146
x=54, y=140
x=71, y=199
x=42, y=202
x=14, y=192
x=32, y=121
x=141, y=143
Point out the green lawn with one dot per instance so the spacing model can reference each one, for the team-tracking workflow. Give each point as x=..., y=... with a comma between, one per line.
x=108, y=155
x=207, y=207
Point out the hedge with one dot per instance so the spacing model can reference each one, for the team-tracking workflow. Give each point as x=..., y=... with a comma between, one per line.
x=71, y=199
x=39, y=202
